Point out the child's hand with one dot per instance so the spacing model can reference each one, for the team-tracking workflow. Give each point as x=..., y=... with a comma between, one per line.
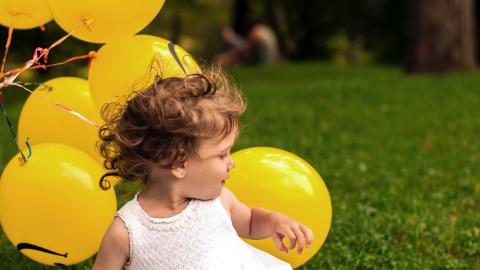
x=296, y=233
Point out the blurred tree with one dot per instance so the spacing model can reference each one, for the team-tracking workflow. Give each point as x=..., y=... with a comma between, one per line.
x=344, y=31
x=442, y=36
x=305, y=28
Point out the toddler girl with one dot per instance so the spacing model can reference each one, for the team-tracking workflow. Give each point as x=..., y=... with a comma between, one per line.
x=175, y=137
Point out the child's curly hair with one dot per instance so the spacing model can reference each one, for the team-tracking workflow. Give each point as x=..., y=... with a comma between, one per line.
x=162, y=125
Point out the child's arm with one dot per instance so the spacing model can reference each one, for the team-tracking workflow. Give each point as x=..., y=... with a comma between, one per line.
x=114, y=249
x=259, y=223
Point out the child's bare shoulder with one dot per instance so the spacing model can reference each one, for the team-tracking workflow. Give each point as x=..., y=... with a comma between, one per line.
x=229, y=200
x=116, y=238
x=115, y=247
x=118, y=233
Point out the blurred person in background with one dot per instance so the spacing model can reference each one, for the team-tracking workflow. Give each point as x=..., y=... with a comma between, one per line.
x=248, y=41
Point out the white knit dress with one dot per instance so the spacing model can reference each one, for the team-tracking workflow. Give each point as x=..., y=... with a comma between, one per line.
x=201, y=237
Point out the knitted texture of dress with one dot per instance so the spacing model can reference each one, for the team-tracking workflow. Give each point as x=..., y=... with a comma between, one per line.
x=201, y=237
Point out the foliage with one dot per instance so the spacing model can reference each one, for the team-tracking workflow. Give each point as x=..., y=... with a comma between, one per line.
x=304, y=27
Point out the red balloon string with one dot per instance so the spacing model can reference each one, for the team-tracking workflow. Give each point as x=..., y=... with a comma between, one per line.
x=7, y=46
x=10, y=33
x=35, y=63
x=63, y=107
x=38, y=54
x=88, y=56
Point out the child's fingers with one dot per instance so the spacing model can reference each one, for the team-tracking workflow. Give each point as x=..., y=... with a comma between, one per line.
x=277, y=240
x=300, y=239
x=292, y=238
x=308, y=235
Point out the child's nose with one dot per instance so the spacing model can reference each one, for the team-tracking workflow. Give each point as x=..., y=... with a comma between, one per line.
x=231, y=164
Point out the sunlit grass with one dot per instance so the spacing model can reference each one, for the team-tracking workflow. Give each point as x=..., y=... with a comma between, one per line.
x=398, y=153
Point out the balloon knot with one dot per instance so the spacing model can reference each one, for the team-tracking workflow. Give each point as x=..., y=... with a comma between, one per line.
x=22, y=161
x=87, y=22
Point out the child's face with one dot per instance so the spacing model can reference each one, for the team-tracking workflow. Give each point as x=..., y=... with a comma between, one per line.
x=205, y=175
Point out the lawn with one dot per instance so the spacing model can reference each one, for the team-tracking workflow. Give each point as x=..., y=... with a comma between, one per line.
x=399, y=154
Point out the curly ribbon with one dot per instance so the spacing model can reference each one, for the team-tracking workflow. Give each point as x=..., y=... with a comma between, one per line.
x=10, y=76
x=7, y=46
x=63, y=107
x=14, y=135
x=34, y=63
x=10, y=33
x=40, y=53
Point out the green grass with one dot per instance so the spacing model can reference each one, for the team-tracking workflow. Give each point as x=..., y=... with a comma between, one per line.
x=399, y=154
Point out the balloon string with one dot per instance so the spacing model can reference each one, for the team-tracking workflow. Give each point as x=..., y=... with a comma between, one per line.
x=7, y=46
x=10, y=33
x=39, y=53
x=63, y=107
x=90, y=56
x=23, y=159
x=30, y=83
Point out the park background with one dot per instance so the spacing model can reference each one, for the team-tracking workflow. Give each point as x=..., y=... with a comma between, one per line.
x=381, y=97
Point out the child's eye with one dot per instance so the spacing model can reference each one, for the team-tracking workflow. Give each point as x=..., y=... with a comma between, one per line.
x=223, y=156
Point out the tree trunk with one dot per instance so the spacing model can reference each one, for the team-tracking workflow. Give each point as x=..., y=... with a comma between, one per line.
x=441, y=36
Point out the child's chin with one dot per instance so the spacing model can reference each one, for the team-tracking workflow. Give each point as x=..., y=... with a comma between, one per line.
x=209, y=197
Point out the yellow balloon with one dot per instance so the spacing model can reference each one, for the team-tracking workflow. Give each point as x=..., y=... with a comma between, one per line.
x=52, y=208
x=24, y=14
x=132, y=63
x=280, y=181
x=43, y=122
x=106, y=20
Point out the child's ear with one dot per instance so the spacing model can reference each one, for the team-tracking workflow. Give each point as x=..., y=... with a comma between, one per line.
x=180, y=171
